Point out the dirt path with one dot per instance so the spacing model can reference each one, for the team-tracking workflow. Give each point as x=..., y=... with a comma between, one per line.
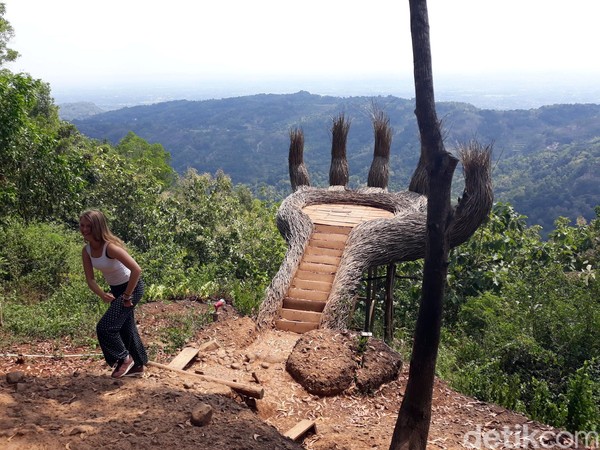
x=73, y=403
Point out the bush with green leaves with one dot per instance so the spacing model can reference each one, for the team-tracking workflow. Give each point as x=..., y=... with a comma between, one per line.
x=37, y=258
x=524, y=316
x=70, y=311
x=583, y=395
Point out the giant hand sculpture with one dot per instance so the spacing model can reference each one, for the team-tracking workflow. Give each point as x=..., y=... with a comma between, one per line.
x=382, y=240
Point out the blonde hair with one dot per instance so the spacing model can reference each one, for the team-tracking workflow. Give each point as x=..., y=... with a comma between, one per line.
x=100, y=229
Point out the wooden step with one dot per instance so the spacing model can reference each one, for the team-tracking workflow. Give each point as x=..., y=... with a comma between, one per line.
x=306, y=275
x=308, y=294
x=296, y=327
x=318, y=268
x=321, y=286
x=296, y=315
x=319, y=236
x=303, y=304
x=316, y=250
x=321, y=259
x=332, y=229
x=337, y=245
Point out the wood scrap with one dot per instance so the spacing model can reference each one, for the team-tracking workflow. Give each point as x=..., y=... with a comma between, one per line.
x=183, y=358
x=250, y=391
x=300, y=429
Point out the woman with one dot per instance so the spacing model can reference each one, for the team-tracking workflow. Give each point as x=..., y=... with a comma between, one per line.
x=117, y=332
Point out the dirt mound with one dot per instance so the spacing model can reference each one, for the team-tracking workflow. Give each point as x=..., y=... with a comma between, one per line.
x=379, y=364
x=322, y=361
x=93, y=411
x=327, y=362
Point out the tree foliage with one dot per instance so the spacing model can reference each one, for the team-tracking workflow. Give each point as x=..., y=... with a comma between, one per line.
x=6, y=33
x=40, y=178
x=520, y=318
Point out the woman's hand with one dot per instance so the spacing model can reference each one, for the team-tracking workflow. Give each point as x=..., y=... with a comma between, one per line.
x=127, y=303
x=107, y=297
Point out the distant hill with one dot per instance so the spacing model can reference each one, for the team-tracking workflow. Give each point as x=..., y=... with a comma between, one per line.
x=547, y=159
x=79, y=110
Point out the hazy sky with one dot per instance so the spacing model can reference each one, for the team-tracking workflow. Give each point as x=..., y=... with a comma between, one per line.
x=85, y=42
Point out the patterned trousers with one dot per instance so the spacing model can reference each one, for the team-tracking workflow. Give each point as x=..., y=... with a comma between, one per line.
x=117, y=332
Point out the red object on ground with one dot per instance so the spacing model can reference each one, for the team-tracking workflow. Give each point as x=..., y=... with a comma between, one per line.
x=219, y=304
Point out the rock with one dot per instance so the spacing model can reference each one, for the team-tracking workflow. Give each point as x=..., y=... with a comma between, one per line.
x=250, y=357
x=201, y=415
x=79, y=429
x=265, y=365
x=208, y=346
x=236, y=366
x=15, y=377
x=188, y=385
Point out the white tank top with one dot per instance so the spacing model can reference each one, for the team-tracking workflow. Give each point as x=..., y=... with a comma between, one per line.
x=113, y=270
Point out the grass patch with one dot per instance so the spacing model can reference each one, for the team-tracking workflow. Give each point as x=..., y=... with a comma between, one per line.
x=71, y=311
x=181, y=329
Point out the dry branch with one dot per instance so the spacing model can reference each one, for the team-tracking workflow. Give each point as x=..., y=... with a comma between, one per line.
x=250, y=391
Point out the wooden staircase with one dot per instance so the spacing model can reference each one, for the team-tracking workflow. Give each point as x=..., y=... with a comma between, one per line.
x=308, y=293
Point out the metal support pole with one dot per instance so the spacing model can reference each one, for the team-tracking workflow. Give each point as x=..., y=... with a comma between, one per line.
x=388, y=317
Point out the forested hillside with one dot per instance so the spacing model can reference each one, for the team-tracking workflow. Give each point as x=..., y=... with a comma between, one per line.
x=547, y=159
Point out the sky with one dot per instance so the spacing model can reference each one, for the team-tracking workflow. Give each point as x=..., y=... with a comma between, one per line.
x=86, y=43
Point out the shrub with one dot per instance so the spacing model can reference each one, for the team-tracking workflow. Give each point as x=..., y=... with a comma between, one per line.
x=38, y=258
x=583, y=410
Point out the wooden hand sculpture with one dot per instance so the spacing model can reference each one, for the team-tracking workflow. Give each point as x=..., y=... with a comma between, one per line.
x=334, y=234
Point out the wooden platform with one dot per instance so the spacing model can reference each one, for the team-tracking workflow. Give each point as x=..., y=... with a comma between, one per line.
x=344, y=215
x=310, y=288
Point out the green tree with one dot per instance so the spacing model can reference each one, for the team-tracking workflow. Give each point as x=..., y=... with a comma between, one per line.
x=6, y=34
x=127, y=196
x=152, y=159
x=37, y=180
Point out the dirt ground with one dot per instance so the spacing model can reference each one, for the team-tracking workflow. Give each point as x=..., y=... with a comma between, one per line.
x=71, y=402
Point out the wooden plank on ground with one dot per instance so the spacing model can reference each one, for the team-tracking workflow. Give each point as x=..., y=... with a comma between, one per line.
x=300, y=316
x=300, y=429
x=250, y=391
x=183, y=358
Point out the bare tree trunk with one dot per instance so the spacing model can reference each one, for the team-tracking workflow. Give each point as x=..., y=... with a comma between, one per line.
x=412, y=426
